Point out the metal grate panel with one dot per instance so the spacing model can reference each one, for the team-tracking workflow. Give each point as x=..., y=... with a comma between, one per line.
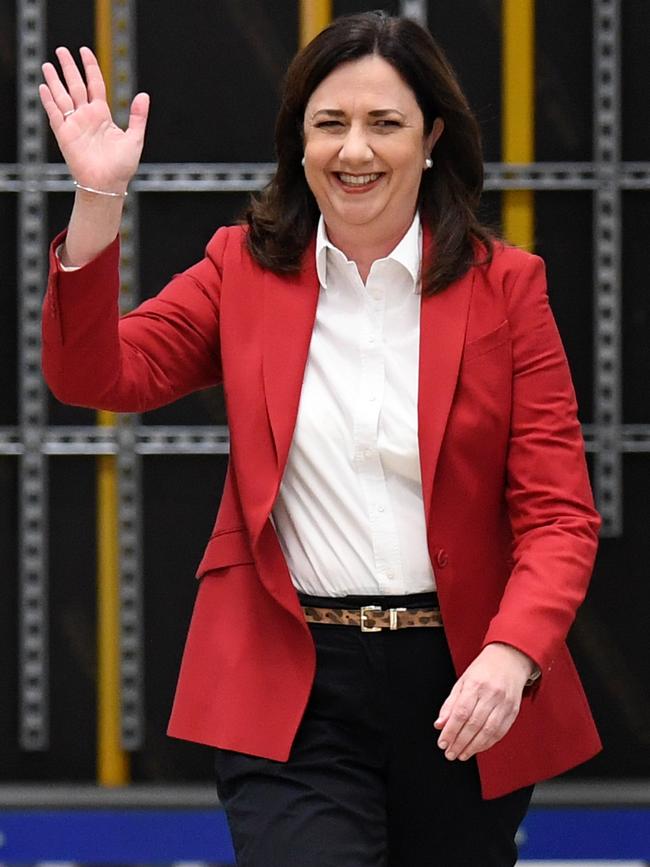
x=129, y=486
x=33, y=441
x=215, y=440
x=608, y=466
x=32, y=519
x=248, y=177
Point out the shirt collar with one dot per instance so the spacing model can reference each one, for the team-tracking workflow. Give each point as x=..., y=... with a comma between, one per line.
x=407, y=253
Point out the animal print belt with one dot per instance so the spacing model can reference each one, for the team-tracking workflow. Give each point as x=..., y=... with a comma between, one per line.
x=373, y=618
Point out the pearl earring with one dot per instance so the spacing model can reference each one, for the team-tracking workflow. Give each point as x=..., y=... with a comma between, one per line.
x=302, y=162
x=428, y=163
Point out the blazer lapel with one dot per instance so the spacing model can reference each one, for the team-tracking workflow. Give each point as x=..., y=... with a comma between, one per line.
x=443, y=323
x=290, y=303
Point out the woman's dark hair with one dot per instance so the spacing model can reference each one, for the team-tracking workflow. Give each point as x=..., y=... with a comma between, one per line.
x=283, y=217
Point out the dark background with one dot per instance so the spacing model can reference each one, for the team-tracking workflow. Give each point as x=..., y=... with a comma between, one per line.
x=213, y=70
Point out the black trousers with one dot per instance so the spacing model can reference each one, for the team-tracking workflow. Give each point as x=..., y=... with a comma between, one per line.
x=365, y=784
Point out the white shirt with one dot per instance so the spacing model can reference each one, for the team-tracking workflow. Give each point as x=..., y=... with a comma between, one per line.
x=350, y=514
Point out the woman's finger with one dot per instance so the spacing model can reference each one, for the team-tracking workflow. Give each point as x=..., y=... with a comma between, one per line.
x=138, y=116
x=73, y=79
x=54, y=114
x=494, y=728
x=95, y=85
x=461, y=711
x=58, y=92
x=470, y=730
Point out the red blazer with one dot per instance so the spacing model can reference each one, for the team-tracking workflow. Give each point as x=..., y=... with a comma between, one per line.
x=512, y=530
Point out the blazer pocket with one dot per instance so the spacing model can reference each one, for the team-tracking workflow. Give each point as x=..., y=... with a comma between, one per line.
x=226, y=548
x=487, y=342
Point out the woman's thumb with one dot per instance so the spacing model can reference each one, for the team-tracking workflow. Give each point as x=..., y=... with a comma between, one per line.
x=139, y=114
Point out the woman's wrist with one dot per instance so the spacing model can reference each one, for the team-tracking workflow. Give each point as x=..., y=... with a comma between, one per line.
x=94, y=223
x=528, y=664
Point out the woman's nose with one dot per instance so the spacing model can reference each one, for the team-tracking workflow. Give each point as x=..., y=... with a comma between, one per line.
x=355, y=147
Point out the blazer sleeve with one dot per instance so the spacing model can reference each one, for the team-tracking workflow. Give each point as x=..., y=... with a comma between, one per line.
x=166, y=348
x=553, y=520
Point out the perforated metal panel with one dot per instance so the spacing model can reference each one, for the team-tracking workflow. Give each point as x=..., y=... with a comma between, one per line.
x=131, y=639
x=608, y=469
x=244, y=177
x=33, y=441
x=32, y=520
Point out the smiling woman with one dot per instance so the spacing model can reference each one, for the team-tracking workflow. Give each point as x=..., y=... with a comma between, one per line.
x=377, y=650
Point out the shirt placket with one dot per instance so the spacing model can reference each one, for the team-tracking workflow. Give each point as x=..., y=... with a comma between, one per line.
x=385, y=543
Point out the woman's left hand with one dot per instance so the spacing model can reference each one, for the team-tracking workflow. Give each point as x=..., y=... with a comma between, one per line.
x=484, y=702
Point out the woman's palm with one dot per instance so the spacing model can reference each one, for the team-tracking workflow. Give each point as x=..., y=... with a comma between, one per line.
x=98, y=153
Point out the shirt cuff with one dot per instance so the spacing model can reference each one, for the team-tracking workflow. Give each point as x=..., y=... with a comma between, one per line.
x=63, y=267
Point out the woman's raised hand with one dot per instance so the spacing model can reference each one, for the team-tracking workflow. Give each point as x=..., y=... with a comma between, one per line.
x=98, y=153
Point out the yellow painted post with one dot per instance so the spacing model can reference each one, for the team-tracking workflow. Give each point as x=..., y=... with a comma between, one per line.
x=112, y=761
x=104, y=41
x=518, y=114
x=315, y=15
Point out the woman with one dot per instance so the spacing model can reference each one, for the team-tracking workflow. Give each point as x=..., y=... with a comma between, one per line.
x=406, y=530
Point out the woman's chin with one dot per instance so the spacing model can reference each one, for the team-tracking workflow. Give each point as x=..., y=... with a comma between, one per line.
x=353, y=217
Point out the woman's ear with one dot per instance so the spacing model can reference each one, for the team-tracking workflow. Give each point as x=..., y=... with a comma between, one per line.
x=436, y=131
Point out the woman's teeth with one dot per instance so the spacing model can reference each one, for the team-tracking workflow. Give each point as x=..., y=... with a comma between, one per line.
x=358, y=180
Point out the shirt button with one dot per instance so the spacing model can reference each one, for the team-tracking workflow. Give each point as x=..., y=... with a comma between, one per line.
x=390, y=574
x=372, y=397
x=367, y=453
x=380, y=508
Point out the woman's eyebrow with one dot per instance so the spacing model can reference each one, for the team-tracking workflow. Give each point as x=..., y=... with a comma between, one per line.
x=380, y=112
x=376, y=112
x=335, y=112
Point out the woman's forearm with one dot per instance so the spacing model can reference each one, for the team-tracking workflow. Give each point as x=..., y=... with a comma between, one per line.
x=94, y=223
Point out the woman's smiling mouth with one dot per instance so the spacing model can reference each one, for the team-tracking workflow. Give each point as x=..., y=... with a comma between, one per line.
x=358, y=182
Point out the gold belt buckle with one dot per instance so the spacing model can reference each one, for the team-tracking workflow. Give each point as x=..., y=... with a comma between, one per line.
x=364, y=609
x=393, y=617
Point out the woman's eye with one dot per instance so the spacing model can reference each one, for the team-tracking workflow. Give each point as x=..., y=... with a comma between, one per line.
x=388, y=123
x=328, y=123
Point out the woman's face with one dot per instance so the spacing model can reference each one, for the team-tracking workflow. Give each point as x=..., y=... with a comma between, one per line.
x=365, y=148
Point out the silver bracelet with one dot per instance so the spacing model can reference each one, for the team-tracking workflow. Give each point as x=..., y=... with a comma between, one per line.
x=100, y=192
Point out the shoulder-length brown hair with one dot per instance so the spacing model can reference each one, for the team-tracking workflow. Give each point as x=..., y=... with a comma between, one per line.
x=283, y=217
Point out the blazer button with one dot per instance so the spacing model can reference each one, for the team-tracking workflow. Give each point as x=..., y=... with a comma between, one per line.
x=442, y=558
